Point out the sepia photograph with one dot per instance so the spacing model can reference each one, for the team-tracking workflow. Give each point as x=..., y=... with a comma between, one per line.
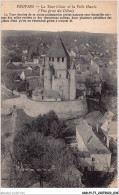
x=59, y=94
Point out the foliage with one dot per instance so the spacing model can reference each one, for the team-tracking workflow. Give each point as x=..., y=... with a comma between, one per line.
x=64, y=173
x=29, y=93
x=20, y=66
x=37, y=147
x=65, y=180
x=32, y=151
x=108, y=88
x=97, y=178
x=23, y=86
x=49, y=124
x=15, y=57
x=43, y=155
x=9, y=79
x=19, y=176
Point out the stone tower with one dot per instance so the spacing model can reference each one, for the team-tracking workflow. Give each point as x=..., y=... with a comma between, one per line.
x=72, y=82
x=47, y=77
x=57, y=71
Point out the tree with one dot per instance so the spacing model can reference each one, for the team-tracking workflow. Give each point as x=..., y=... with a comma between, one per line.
x=70, y=178
x=47, y=157
x=20, y=66
x=23, y=86
x=9, y=79
x=39, y=148
x=64, y=172
x=49, y=124
x=19, y=176
x=107, y=88
x=32, y=151
x=98, y=178
x=16, y=58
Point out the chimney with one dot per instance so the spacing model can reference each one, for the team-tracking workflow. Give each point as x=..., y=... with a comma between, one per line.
x=107, y=141
x=97, y=127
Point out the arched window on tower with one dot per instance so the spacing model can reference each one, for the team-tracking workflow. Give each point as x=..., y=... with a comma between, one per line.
x=58, y=59
x=62, y=59
x=42, y=72
x=52, y=59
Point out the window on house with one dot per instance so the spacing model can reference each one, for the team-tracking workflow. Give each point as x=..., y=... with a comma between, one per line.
x=62, y=59
x=85, y=169
x=58, y=59
x=93, y=159
x=92, y=168
x=52, y=59
x=49, y=58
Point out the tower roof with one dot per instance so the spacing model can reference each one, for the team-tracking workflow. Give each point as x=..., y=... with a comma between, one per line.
x=57, y=49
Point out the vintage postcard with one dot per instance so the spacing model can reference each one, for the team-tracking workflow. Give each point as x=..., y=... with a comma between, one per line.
x=59, y=97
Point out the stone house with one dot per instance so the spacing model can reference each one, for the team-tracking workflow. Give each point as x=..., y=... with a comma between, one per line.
x=94, y=67
x=93, y=154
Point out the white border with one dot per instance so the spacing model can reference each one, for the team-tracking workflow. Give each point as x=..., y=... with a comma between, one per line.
x=57, y=191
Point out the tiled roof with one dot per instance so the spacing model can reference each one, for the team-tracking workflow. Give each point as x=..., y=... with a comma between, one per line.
x=92, y=142
x=17, y=63
x=52, y=94
x=57, y=49
x=38, y=91
x=30, y=72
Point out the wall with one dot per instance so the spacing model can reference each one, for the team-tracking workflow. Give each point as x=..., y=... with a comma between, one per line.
x=61, y=86
x=58, y=65
x=47, y=79
x=62, y=74
x=44, y=98
x=101, y=163
x=72, y=85
x=64, y=109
